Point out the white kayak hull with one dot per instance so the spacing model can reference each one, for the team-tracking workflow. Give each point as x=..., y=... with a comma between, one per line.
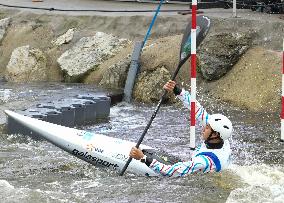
x=96, y=149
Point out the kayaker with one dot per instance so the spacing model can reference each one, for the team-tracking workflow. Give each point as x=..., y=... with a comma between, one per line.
x=212, y=155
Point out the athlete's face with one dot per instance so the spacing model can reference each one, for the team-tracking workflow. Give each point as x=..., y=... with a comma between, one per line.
x=206, y=131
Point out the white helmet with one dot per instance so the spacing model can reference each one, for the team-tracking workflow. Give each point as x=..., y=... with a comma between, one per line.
x=221, y=124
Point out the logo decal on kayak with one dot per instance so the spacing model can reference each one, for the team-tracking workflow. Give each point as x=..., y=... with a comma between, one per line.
x=91, y=147
x=88, y=136
x=121, y=157
x=93, y=159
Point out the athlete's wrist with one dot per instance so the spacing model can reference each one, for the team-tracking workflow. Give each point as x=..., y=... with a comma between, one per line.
x=177, y=90
x=146, y=160
x=143, y=159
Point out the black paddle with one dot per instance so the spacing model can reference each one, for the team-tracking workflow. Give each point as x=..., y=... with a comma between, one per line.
x=202, y=28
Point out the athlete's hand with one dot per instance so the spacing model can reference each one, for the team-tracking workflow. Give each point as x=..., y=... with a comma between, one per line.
x=170, y=85
x=136, y=153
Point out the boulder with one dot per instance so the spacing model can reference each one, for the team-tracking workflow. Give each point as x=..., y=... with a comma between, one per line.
x=254, y=83
x=115, y=76
x=220, y=52
x=65, y=38
x=4, y=23
x=2, y=79
x=149, y=85
x=87, y=54
x=26, y=65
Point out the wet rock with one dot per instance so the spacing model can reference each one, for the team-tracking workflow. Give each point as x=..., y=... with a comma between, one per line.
x=26, y=64
x=87, y=54
x=220, y=52
x=4, y=23
x=115, y=76
x=149, y=85
x=2, y=79
x=254, y=83
x=65, y=38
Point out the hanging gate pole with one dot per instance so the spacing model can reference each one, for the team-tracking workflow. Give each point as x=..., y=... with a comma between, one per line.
x=193, y=75
x=282, y=110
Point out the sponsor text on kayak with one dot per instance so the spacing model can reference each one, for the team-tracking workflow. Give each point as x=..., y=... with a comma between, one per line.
x=94, y=159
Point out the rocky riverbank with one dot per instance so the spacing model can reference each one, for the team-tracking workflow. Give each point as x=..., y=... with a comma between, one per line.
x=239, y=61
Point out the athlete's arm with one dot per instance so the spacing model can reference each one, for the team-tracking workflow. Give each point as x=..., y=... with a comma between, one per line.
x=197, y=164
x=200, y=163
x=200, y=112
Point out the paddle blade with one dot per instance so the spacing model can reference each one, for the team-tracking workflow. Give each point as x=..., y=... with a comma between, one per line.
x=202, y=28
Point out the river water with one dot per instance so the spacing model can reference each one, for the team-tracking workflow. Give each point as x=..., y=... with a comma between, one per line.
x=36, y=171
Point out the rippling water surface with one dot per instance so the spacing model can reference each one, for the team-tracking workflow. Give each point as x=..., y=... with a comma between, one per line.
x=36, y=171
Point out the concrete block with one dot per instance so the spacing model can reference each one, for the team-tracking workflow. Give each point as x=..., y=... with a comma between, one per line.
x=68, y=113
x=66, y=109
x=52, y=115
x=91, y=113
x=79, y=110
x=48, y=105
x=102, y=104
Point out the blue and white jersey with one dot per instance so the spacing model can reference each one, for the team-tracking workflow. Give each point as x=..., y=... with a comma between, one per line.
x=202, y=160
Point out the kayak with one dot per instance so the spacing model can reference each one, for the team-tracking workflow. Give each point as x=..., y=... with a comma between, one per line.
x=96, y=149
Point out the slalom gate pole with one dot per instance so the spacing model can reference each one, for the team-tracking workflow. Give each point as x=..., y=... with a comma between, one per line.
x=193, y=75
x=282, y=110
x=234, y=8
x=152, y=23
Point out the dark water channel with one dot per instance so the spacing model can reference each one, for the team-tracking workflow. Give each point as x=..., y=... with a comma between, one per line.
x=36, y=171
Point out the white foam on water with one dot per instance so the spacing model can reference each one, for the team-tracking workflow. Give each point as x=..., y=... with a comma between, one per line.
x=262, y=184
x=123, y=113
x=120, y=108
x=9, y=193
x=84, y=184
x=54, y=184
x=81, y=188
x=5, y=94
x=5, y=186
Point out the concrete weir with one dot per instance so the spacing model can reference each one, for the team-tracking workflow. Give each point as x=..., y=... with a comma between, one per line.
x=70, y=112
x=133, y=70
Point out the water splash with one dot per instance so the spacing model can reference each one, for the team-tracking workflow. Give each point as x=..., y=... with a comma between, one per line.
x=263, y=183
x=5, y=94
x=5, y=187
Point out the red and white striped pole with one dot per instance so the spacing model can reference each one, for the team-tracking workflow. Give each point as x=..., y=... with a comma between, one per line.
x=193, y=74
x=282, y=111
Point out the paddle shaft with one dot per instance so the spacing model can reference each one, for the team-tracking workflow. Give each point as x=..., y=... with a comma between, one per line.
x=153, y=116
